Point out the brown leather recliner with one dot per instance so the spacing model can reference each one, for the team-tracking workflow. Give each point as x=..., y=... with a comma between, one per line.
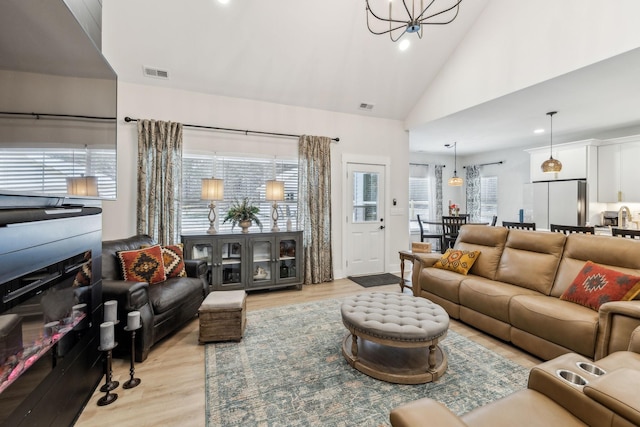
x=604, y=396
x=164, y=307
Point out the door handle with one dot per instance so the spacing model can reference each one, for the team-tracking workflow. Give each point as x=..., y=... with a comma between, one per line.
x=382, y=227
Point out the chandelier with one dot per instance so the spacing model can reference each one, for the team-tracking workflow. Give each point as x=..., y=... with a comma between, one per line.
x=551, y=165
x=411, y=19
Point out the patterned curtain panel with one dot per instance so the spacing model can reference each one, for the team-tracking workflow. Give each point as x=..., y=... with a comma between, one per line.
x=159, y=180
x=438, y=191
x=473, y=193
x=314, y=207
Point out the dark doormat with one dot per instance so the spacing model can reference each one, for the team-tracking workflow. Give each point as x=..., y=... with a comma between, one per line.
x=375, y=279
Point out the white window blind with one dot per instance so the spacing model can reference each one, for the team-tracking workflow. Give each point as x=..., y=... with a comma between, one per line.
x=45, y=170
x=419, y=195
x=488, y=198
x=243, y=177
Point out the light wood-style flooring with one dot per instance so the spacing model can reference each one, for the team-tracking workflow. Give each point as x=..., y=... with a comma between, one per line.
x=172, y=388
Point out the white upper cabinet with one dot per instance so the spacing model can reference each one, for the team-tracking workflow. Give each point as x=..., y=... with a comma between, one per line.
x=574, y=159
x=619, y=172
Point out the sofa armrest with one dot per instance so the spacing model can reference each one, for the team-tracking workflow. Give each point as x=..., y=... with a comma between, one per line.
x=634, y=342
x=420, y=261
x=617, y=321
x=424, y=412
x=130, y=295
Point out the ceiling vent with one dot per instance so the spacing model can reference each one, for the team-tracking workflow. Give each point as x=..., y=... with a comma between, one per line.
x=365, y=106
x=155, y=72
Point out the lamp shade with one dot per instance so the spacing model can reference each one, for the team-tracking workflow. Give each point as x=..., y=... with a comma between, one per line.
x=212, y=189
x=455, y=181
x=275, y=190
x=82, y=186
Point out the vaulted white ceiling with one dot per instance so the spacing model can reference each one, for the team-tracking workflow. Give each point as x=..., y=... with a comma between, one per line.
x=319, y=54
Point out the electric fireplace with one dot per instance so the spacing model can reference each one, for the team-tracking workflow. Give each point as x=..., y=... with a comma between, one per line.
x=50, y=304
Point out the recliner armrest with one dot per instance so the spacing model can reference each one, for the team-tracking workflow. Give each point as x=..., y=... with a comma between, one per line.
x=634, y=342
x=617, y=320
x=424, y=412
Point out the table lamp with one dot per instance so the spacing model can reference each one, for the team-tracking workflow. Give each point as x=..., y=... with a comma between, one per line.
x=275, y=193
x=212, y=190
x=82, y=186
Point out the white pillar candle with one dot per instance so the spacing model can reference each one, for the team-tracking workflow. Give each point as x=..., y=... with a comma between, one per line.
x=78, y=309
x=107, y=337
x=111, y=311
x=133, y=320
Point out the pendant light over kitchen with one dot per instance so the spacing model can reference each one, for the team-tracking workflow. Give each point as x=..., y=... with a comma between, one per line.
x=551, y=165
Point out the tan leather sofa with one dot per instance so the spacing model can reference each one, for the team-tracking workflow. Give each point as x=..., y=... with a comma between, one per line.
x=605, y=400
x=513, y=290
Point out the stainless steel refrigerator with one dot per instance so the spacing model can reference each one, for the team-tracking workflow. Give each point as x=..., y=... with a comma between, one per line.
x=556, y=202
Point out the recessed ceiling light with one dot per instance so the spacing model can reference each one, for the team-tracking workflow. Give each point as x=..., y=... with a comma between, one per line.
x=404, y=44
x=538, y=131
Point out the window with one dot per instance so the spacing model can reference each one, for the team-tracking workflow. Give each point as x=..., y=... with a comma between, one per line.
x=243, y=177
x=419, y=195
x=488, y=198
x=45, y=170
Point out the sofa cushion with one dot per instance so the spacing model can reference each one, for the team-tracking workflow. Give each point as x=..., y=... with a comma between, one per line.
x=443, y=283
x=173, y=258
x=489, y=241
x=457, y=260
x=490, y=297
x=561, y=322
x=530, y=259
x=142, y=265
x=173, y=293
x=596, y=284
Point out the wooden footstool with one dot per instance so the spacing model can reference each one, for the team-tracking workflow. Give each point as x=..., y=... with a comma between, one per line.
x=222, y=316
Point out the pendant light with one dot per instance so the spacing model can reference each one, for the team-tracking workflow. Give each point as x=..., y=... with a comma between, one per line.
x=551, y=165
x=455, y=180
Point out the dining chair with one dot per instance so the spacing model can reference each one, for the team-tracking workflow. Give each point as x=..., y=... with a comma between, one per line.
x=623, y=232
x=450, y=229
x=568, y=229
x=520, y=225
x=429, y=236
x=494, y=220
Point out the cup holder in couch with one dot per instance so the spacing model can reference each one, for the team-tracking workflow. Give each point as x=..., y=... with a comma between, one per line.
x=591, y=368
x=571, y=377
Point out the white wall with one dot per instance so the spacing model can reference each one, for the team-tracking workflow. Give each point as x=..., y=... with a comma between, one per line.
x=358, y=136
x=516, y=44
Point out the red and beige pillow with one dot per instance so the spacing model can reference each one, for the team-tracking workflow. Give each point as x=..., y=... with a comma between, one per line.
x=595, y=284
x=457, y=260
x=142, y=265
x=173, y=258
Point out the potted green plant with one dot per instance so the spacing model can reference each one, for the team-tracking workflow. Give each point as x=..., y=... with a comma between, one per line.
x=243, y=213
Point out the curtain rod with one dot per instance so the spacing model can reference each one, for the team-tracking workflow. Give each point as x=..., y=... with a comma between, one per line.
x=66, y=116
x=487, y=164
x=426, y=164
x=246, y=132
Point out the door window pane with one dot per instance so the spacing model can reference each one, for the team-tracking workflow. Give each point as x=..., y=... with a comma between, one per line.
x=365, y=197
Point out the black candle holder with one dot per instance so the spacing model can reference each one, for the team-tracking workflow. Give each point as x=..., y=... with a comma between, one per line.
x=132, y=382
x=109, y=385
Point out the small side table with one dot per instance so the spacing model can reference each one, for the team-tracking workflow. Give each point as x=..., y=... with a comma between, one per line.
x=404, y=256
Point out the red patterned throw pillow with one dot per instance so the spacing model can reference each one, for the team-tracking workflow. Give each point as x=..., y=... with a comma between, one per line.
x=144, y=265
x=595, y=285
x=173, y=258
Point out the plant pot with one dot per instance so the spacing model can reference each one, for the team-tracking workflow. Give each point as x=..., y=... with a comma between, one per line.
x=245, y=225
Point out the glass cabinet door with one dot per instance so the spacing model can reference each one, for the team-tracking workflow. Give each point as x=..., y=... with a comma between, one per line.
x=287, y=258
x=231, y=255
x=262, y=261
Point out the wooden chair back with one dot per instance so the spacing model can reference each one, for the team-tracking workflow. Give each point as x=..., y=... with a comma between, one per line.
x=568, y=229
x=450, y=229
x=520, y=225
x=623, y=232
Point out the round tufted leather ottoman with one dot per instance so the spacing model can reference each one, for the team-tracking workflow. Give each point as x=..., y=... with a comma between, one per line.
x=394, y=337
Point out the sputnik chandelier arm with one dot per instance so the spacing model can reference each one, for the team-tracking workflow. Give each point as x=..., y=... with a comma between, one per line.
x=414, y=20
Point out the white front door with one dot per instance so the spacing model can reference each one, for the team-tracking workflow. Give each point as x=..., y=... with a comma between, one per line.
x=365, y=226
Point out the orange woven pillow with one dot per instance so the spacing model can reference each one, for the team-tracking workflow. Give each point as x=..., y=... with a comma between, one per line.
x=457, y=260
x=142, y=265
x=595, y=284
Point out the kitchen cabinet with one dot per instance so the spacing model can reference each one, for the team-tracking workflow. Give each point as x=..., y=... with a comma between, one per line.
x=618, y=176
x=248, y=261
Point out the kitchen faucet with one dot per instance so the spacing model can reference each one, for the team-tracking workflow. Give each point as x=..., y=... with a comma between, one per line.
x=622, y=219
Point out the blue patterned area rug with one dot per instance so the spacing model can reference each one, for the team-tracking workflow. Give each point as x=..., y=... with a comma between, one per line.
x=288, y=370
